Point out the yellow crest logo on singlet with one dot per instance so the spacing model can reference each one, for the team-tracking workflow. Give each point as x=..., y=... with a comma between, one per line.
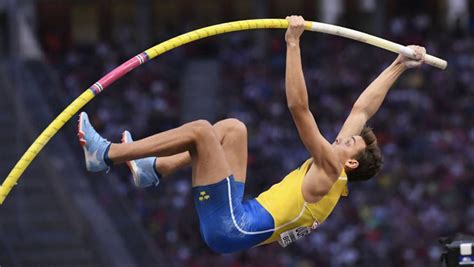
x=203, y=196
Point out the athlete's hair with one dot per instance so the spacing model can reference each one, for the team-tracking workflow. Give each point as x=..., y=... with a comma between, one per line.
x=370, y=158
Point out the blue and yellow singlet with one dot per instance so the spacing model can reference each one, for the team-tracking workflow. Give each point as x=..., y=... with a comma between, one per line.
x=285, y=202
x=281, y=214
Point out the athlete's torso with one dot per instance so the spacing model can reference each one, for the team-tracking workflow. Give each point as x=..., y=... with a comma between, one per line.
x=285, y=202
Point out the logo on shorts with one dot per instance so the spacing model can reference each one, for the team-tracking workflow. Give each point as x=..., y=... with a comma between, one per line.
x=203, y=196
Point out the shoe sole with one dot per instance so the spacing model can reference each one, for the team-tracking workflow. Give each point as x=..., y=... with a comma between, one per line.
x=131, y=164
x=80, y=132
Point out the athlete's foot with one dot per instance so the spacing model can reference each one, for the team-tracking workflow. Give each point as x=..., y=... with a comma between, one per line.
x=143, y=170
x=94, y=145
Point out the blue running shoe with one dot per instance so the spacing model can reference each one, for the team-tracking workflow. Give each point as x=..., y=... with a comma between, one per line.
x=94, y=145
x=143, y=170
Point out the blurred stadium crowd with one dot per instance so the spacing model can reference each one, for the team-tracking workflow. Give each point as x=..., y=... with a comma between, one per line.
x=425, y=128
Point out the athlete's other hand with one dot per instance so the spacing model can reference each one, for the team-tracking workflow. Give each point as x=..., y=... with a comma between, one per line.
x=409, y=63
x=296, y=26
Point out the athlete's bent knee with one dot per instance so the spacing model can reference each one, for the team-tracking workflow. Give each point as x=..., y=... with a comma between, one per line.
x=232, y=127
x=202, y=129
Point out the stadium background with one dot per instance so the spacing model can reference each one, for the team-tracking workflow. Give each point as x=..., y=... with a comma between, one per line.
x=59, y=215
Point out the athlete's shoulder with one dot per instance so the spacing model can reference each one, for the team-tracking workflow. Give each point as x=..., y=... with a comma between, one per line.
x=317, y=182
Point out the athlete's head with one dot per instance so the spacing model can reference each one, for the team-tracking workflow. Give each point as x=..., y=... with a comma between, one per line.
x=360, y=154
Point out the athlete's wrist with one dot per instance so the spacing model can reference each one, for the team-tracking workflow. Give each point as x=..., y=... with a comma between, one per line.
x=398, y=65
x=293, y=43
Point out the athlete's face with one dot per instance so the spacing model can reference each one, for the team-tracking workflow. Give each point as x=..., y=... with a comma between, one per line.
x=347, y=148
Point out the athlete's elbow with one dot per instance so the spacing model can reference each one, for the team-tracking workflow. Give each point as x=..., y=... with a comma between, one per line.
x=361, y=112
x=359, y=109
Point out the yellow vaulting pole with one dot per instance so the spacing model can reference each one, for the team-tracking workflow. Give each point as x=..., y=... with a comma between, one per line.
x=170, y=44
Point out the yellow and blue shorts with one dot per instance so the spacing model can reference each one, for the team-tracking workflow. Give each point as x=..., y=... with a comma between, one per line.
x=229, y=224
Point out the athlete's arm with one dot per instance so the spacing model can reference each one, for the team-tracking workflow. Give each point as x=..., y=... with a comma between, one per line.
x=297, y=98
x=370, y=100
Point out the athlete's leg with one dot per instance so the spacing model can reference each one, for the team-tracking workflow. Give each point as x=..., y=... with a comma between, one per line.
x=232, y=135
x=198, y=138
x=166, y=166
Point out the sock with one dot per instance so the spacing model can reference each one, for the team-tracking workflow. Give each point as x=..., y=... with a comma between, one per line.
x=107, y=160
